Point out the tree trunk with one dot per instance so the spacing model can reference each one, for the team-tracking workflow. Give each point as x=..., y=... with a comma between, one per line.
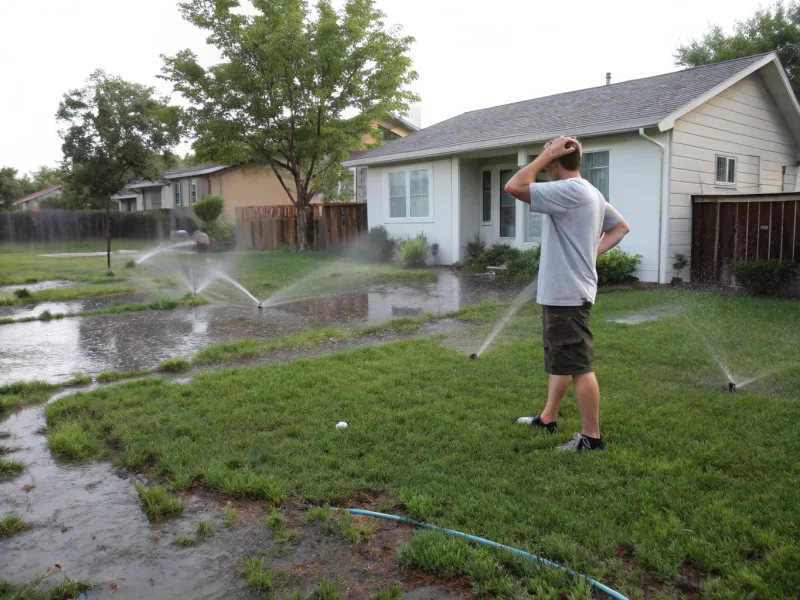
x=305, y=224
x=108, y=233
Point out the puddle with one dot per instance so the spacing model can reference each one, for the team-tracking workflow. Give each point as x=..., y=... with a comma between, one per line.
x=55, y=350
x=650, y=314
x=87, y=517
x=68, y=306
x=37, y=287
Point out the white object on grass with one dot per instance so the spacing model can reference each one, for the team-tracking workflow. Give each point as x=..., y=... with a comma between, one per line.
x=525, y=420
x=341, y=425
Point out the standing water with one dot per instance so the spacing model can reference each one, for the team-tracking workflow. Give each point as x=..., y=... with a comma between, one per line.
x=523, y=297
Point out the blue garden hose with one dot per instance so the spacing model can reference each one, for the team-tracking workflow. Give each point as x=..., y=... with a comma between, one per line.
x=596, y=584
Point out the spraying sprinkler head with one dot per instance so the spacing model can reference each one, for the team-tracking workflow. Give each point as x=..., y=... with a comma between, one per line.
x=260, y=306
x=731, y=387
x=473, y=356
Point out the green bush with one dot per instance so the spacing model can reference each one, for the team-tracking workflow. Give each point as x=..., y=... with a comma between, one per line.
x=221, y=231
x=524, y=268
x=23, y=294
x=763, y=277
x=616, y=266
x=209, y=208
x=380, y=245
x=415, y=251
x=500, y=254
x=475, y=248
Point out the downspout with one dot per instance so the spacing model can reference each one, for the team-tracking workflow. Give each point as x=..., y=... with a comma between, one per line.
x=663, y=218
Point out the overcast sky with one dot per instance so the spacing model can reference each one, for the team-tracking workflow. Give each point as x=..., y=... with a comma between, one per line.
x=497, y=52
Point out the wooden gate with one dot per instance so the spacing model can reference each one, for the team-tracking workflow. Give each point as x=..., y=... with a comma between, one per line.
x=731, y=228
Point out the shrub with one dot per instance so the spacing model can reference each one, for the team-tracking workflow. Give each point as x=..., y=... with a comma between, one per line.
x=500, y=254
x=763, y=277
x=221, y=231
x=524, y=268
x=415, y=251
x=680, y=263
x=23, y=294
x=380, y=245
x=616, y=266
x=209, y=208
x=475, y=248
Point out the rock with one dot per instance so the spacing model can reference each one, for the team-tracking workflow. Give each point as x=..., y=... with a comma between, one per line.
x=341, y=425
x=201, y=238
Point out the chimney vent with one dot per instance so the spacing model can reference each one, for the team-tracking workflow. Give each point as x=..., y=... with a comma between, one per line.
x=608, y=78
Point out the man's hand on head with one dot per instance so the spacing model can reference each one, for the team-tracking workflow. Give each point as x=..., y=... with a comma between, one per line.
x=558, y=147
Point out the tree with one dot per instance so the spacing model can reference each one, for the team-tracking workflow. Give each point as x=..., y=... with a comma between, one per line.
x=776, y=28
x=116, y=132
x=288, y=78
x=10, y=187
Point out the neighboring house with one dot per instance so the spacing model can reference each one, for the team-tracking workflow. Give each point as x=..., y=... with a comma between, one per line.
x=238, y=185
x=38, y=199
x=649, y=144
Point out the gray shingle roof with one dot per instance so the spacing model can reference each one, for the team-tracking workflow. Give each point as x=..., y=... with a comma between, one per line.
x=609, y=108
x=190, y=171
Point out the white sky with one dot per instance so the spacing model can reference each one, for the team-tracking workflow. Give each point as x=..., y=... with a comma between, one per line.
x=469, y=55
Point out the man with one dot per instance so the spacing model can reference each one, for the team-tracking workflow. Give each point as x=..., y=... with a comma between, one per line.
x=580, y=225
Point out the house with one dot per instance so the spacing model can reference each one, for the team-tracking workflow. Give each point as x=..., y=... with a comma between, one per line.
x=239, y=185
x=649, y=144
x=38, y=199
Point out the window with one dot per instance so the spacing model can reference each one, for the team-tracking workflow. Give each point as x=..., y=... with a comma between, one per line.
x=726, y=170
x=594, y=169
x=409, y=194
x=387, y=135
x=508, y=207
x=486, y=214
x=177, y=193
x=193, y=192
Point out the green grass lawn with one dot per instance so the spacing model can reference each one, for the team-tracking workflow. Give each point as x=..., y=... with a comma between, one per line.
x=693, y=478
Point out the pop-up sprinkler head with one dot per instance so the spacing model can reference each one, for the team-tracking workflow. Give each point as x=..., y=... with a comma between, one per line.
x=260, y=306
x=473, y=356
x=731, y=387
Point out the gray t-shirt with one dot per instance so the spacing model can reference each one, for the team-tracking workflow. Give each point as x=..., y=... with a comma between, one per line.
x=576, y=216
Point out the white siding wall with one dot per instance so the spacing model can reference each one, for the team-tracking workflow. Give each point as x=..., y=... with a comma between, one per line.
x=742, y=122
x=439, y=227
x=470, y=202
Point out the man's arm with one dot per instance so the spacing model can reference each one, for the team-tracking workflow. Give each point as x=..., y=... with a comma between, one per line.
x=612, y=237
x=519, y=185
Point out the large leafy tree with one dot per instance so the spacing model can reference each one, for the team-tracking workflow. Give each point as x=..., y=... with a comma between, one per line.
x=775, y=28
x=11, y=187
x=115, y=132
x=290, y=77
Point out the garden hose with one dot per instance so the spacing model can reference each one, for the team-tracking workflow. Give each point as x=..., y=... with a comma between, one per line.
x=478, y=540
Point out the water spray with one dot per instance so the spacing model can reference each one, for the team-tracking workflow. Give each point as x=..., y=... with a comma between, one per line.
x=527, y=294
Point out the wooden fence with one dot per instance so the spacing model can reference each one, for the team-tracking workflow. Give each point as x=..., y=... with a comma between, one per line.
x=44, y=226
x=730, y=228
x=270, y=227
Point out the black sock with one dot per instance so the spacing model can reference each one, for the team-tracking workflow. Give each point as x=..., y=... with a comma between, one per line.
x=595, y=442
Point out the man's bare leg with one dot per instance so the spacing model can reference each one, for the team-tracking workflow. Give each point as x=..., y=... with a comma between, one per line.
x=556, y=388
x=588, y=394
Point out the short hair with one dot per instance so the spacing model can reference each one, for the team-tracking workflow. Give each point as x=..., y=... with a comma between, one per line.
x=572, y=161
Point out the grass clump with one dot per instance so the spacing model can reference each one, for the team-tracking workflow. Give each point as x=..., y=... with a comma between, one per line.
x=260, y=579
x=318, y=513
x=73, y=439
x=12, y=524
x=351, y=529
x=107, y=376
x=174, y=365
x=69, y=589
x=229, y=351
x=204, y=529
x=157, y=503
x=230, y=517
x=11, y=466
x=328, y=590
x=23, y=294
x=163, y=303
x=24, y=392
x=130, y=264
x=184, y=540
x=276, y=521
x=393, y=593
x=78, y=379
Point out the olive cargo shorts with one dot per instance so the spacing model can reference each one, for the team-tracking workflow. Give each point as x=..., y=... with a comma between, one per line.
x=568, y=341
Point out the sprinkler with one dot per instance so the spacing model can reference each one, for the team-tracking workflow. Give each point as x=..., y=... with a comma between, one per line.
x=731, y=387
x=260, y=306
x=473, y=356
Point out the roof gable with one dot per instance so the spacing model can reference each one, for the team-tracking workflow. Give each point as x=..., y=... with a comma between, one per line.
x=35, y=195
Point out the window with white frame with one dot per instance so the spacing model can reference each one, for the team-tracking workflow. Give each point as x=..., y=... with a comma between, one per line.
x=486, y=206
x=409, y=194
x=177, y=193
x=193, y=192
x=726, y=170
x=595, y=170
